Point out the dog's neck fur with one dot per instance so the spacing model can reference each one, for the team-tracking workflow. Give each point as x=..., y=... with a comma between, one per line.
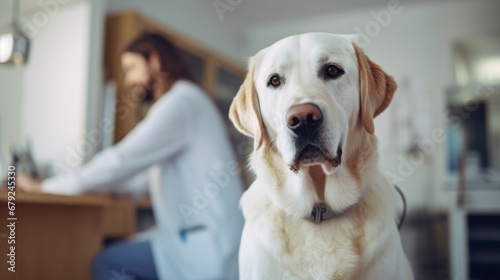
x=319, y=180
x=340, y=190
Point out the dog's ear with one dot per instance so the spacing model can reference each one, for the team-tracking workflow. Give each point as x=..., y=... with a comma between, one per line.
x=244, y=111
x=377, y=89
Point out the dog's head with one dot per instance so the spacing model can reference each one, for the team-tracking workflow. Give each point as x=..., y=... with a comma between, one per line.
x=307, y=93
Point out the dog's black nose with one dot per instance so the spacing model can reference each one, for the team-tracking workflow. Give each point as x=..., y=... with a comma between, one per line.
x=304, y=118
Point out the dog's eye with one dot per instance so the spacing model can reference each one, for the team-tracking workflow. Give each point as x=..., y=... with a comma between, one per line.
x=332, y=71
x=274, y=81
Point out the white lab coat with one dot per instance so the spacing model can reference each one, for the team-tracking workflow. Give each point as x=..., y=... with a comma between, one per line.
x=182, y=149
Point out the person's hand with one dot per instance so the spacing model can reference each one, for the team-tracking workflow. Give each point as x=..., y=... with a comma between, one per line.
x=26, y=183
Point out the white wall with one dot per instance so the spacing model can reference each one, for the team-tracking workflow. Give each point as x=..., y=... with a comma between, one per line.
x=54, y=100
x=10, y=109
x=55, y=83
x=10, y=98
x=416, y=48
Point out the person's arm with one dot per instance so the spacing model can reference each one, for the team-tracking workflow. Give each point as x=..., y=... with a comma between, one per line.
x=135, y=187
x=160, y=135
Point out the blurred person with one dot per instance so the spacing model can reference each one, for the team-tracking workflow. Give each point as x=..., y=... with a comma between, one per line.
x=182, y=153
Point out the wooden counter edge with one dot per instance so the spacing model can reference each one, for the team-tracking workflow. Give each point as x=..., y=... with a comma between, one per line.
x=77, y=200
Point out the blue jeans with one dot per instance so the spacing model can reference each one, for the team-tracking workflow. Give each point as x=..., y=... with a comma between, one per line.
x=125, y=261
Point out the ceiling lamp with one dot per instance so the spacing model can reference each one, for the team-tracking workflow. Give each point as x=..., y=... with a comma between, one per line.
x=14, y=45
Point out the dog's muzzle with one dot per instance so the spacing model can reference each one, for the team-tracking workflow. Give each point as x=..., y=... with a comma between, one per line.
x=305, y=122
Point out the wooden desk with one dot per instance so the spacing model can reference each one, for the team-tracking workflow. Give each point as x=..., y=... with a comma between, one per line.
x=58, y=236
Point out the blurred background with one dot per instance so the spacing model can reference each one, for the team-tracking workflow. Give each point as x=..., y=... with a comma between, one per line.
x=439, y=139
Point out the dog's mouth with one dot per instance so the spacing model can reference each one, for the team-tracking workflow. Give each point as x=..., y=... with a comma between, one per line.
x=311, y=154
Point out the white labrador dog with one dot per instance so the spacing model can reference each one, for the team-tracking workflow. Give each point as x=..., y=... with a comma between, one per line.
x=319, y=208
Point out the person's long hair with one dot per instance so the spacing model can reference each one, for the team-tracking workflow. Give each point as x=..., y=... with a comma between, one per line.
x=172, y=61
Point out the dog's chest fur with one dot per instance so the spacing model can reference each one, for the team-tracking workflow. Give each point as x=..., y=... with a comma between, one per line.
x=302, y=249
